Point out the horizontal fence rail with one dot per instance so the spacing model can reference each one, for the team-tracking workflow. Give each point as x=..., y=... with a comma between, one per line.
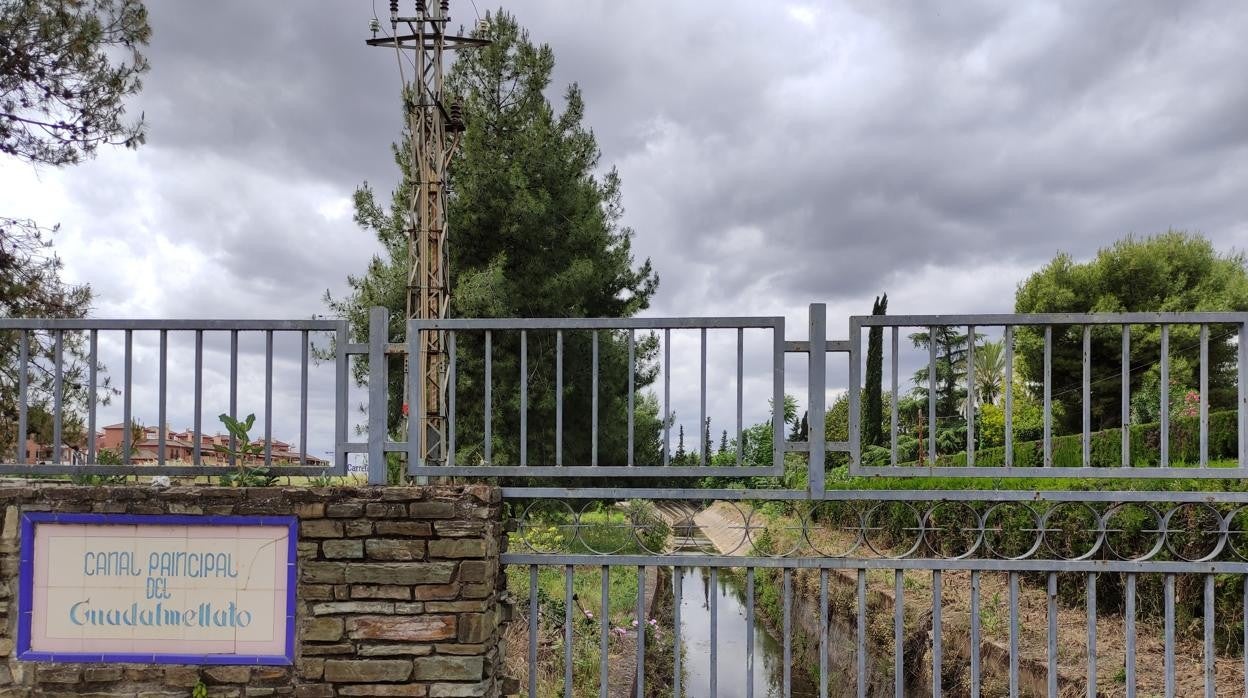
x=47, y=379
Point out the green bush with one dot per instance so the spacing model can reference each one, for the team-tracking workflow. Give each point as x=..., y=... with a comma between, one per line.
x=1106, y=446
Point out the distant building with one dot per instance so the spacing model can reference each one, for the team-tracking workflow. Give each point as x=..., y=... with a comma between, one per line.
x=179, y=448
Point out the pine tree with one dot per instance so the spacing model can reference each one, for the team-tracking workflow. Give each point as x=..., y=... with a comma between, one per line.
x=534, y=232
x=723, y=442
x=873, y=412
x=681, y=454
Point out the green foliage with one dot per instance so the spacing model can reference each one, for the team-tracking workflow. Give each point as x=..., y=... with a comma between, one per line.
x=989, y=364
x=65, y=68
x=535, y=221
x=200, y=690
x=873, y=405
x=951, y=349
x=241, y=454
x=1170, y=272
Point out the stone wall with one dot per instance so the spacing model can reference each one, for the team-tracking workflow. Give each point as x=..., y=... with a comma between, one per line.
x=400, y=593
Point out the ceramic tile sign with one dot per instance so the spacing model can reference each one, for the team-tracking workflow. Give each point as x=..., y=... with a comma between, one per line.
x=157, y=589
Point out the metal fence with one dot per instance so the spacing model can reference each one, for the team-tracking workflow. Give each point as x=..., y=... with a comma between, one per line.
x=554, y=409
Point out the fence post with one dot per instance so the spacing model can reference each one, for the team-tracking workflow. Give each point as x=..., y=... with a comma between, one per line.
x=816, y=412
x=855, y=395
x=378, y=337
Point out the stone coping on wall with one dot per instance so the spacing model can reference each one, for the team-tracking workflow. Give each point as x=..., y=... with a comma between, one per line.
x=400, y=592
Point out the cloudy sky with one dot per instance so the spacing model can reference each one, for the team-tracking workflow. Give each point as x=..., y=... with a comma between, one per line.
x=772, y=154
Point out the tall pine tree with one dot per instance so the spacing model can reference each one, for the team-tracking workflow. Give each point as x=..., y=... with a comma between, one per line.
x=534, y=232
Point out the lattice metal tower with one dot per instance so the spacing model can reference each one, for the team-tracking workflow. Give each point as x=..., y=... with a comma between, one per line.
x=434, y=127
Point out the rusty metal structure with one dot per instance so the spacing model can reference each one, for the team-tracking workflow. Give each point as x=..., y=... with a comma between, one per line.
x=434, y=124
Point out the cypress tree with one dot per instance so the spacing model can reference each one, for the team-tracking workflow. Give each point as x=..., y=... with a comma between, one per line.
x=873, y=412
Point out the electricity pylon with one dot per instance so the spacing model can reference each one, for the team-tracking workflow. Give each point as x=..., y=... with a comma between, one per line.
x=434, y=127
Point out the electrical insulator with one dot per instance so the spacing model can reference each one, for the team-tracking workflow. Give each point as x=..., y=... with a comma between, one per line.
x=446, y=7
x=374, y=26
x=483, y=26
x=420, y=7
x=394, y=9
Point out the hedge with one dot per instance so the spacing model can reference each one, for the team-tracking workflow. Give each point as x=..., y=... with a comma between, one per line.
x=1106, y=446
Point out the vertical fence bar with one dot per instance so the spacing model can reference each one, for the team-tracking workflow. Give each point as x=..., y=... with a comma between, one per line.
x=1245, y=623
x=1048, y=396
x=749, y=630
x=740, y=393
x=488, y=446
x=268, y=397
x=788, y=633
x=342, y=385
x=1210, y=657
x=559, y=397
x=233, y=386
x=416, y=436
x=198, y=417
x=593, y=452
x=1052, y=648
x=703, y=435
x=931, y=395
x=1169, y=630
x=1013, y=600
x=23, y=371
x=1129, y=613
x=452, y=368
x=92, y=385
x=899, y=629
x=1204, y=396
x=127, y=438
x=303, y=398
x=1091, y=603
x=892, y=417
x=975, y=634
x=534, y=620
x=777, y=395
x=1126, y=396
x=667, y=396
x=818, y=362
x=678, y=577
x=937, y=628
x=604, y=623
x=378, y=337
x=641, y=632
x=58, y=395
x=162, y=388
x=524, y=397
x=714, y=631
x=632, y=358
x=1009, y=396
x=823, y=633
x=1165, y=396
x=861, y=653
x=970, y=396
x=568, y=638
x=1087, y=396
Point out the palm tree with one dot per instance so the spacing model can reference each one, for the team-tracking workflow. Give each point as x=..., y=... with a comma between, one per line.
x=989, y=372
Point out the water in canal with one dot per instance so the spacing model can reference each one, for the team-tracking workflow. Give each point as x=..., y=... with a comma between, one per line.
x=732, y=633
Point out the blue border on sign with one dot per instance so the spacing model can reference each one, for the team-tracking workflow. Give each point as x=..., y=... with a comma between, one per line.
x=26, y=582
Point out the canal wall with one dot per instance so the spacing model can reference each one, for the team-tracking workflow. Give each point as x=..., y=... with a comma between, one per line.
x=398, y=592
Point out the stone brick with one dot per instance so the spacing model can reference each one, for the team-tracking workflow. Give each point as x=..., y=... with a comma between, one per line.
x=455, y=648
x=475, y=627
x=308, y=549
x=322, y=629
x=457, y=690
x=369, y=670
x=457, y=548
x=431, y=510
x=227, y=674
x=268, y=673
x=385, y=510
x=316, y=592
x=407, y=628
x=460, y=529
x=439, y=668
x=324, y=572
x=343, y=548
x=345, y=510
x=143, y=673
x=57, y=674
x=323, y=650
x=356, y=529
x=400, y=573
x=102, y=673
x=475, y=591
x=316, y=690
x=474, y=606
x=418, y=529
x=413, y=689
x=410, y=608
x=378, y=591
x=436, y=592
x=392, y=650
x=395, y=550
x=320, y=528
x=310, y=667
x=325, y=609
x=475, y=570
x=310, y=510
x=185, y=676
